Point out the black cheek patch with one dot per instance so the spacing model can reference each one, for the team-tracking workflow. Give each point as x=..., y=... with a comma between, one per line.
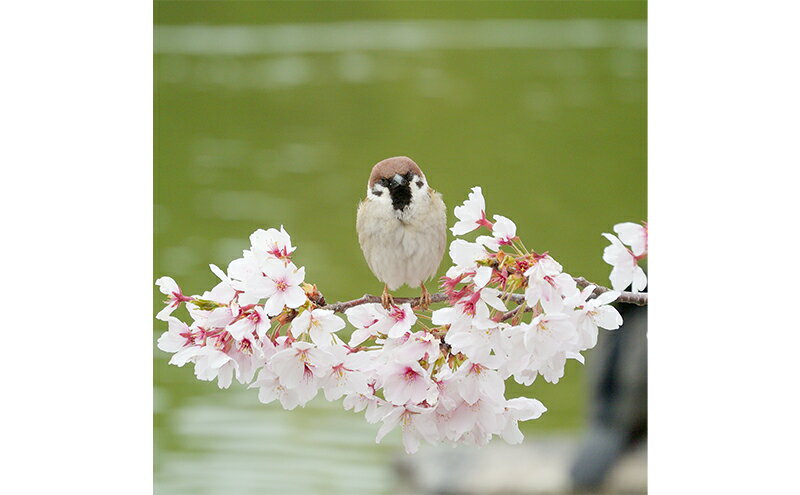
x=419, y=183
x=377, y=192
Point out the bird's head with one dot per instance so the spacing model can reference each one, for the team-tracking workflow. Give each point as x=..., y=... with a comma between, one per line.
x=397, y=181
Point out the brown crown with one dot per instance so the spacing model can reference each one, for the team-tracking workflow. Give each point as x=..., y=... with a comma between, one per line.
x=387, y=168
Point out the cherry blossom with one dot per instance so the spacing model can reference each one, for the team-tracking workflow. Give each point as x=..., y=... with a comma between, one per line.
x=396, y=321
x=213, y=363
x=471, y=214
x=175, y=297
x=417, y=423
x=547, y=284
x=407, y=382
x=281, y=286
x=634, y=235
x=255, y=320
x=411, y=347
x=593, y=313
x=465, y=256
x=477, y=342
x=364, y=318
x=476, y=380
x=626, y=270
x=319, y=324
x=177, y=337
x=438, y=375
x=343, y=377
x=300, y=363
x=519, y=409
x=270, y=388
x=271, y=243
x=504, y=231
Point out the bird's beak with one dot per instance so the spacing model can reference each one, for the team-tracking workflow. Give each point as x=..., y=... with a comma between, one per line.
x=398, y=179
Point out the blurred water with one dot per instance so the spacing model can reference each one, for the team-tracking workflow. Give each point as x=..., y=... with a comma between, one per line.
x=263, y=125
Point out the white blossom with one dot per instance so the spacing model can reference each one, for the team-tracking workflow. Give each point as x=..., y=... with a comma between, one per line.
x=256, y=321
x=271, y=243
x=476, y=381
x=319, y=324
x=634, y=235
x=416, y=423
x=170, y=288
x=626, y=270
x=519, y=409
x=470, y=213
x=593, y=313
x=364, y=318
x=503, y=233
x=465, y=256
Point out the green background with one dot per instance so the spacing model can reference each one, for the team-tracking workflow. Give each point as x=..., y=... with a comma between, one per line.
x=271, y=134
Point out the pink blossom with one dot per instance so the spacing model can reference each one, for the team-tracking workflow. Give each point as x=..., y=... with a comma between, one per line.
x=254, y=321
x=396, y=321
x=175, y=297
x=281, y=286
x=407, y=383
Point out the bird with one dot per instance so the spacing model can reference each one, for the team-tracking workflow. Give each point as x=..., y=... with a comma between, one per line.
x=402, y=227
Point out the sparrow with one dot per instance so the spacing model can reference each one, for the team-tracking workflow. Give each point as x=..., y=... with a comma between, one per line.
x=402, y=227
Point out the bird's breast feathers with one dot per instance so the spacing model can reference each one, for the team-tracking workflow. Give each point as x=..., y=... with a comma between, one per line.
x=403, y=246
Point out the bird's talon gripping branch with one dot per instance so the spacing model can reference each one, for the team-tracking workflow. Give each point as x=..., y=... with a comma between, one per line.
x=424, y=299
x=387, y=301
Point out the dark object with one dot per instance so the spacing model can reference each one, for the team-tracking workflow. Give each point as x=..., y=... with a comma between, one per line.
x=618, y=406
x=399, y=189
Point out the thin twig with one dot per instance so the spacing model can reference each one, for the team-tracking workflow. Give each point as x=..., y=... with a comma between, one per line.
x=639, y=299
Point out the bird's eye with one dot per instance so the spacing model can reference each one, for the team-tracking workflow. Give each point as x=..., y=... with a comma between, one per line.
x=420, y=183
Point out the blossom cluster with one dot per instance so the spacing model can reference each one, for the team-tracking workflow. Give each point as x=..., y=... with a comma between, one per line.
x=439, y=376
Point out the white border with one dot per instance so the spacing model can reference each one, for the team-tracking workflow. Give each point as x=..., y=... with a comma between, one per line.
x=723, y=181
x=77, y=157
x=77, y=245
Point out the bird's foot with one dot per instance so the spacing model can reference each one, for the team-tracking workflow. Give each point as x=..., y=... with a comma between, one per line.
x=387, y=301
x=424, y=299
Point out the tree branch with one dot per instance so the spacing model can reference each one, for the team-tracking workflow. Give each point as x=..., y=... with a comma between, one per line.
x=639, y=299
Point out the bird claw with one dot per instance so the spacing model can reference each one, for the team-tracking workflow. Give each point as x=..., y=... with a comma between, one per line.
x=424, y=299
x=387, y=301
